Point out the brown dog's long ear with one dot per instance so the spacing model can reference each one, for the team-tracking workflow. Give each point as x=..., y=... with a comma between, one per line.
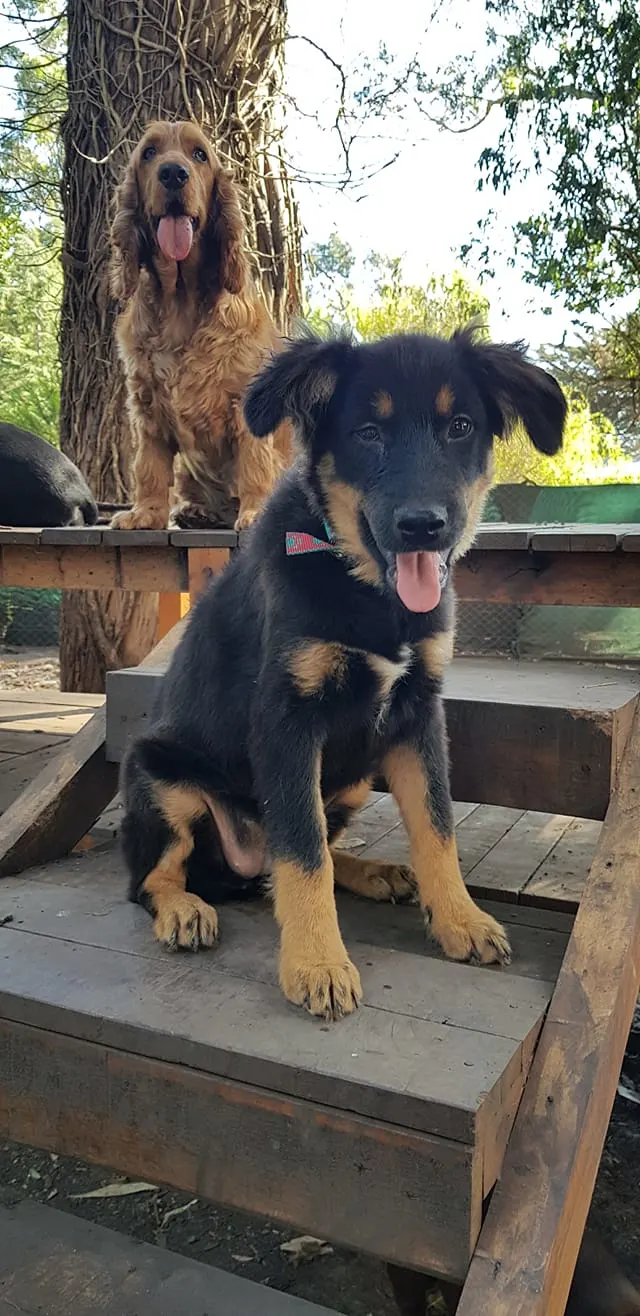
x=130, y=248
x=224, y=261
x=513, y=390
x=299, y=384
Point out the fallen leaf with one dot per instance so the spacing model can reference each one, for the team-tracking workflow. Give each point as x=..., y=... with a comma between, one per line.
x=116, y=1190
x=305, y=1248
x=177, y=1210
x=243, y=1260
x=349, y=843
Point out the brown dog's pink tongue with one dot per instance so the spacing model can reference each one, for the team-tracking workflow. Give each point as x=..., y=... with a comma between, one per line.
x=418, y=582
x=175, y=236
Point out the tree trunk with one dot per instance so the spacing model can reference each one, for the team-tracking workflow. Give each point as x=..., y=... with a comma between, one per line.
x=219, y=62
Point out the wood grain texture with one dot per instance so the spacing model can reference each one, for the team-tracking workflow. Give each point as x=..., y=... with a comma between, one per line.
x=64, y=800
x=567, y=579
x=297, y=1162
x=524, y=1261
x=56, y=1263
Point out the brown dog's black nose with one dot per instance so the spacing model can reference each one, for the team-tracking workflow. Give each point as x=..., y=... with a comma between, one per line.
x=173, y=176
x=420, y=523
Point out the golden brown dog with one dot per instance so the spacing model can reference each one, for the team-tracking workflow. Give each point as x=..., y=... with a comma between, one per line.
x=192, y=332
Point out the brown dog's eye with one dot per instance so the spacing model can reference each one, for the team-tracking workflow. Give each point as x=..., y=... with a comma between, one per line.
x=368, y=433
x=199, y=154
x=148, y=153
x=460, y=427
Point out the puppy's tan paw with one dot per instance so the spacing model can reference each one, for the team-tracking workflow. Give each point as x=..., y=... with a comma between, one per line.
x=184, y=921
x=327, y=988
x=470, y=934
x=145, y=516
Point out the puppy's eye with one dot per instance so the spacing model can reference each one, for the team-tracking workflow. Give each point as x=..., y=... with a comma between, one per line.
x=368, y=434
x=199, y=154
x=148, y=153
x=460, y=427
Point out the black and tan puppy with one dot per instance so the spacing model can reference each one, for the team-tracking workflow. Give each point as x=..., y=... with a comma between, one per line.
x=316, y=660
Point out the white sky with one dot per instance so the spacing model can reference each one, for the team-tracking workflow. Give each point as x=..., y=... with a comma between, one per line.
x=426, y=205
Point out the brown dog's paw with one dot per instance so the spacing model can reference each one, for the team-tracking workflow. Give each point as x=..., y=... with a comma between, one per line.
x=185, y=922
x=329, y=989
x=470, y=934
x=246, y=517
x=146, y=516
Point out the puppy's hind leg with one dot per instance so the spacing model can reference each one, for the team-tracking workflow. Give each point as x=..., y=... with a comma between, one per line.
x=158, y=838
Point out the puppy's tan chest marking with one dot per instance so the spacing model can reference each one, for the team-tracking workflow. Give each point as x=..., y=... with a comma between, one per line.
x=388, y=672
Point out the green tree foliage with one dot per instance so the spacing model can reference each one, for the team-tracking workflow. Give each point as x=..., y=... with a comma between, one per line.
x=605, y=368
x=591, y=453
x=30, y=143
x=30, y=292
x=564, y=77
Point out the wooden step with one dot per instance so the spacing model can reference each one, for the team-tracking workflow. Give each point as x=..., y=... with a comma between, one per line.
x=544, y=736
x=194, y=1070
x=60, y=1265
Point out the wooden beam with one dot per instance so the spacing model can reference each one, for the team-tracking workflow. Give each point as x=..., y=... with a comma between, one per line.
x=203, y=565
x=595, y=580
x=526, y=1254
x=64, y=800
x=171, y=609
x=94, y=566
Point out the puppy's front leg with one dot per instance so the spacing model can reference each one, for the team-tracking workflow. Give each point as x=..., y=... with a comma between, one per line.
x=315, y=969
x=418, y=777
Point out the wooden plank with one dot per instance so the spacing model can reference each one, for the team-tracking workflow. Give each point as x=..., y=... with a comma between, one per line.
x=204, y=538
x=63, y=801
x=56, y=1263
x=242, y=1027
x=508, y=865
x=526, y=1254
x=203, y=565
x=294, y=1161
x=50, y=698
x=19, y=535
x=595, y=580
x=136, y=538
x=503, y=536
x=576, y=538
x=47, y=566
x=21, y=769
x=72, y=536
x=171, y=609
x=560, y=880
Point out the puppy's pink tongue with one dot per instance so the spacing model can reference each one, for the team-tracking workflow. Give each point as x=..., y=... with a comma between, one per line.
x=418, y=583
x=175, y=236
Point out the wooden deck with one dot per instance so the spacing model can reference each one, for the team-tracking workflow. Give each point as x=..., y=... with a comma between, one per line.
x=139, y=1044
x=34, y=726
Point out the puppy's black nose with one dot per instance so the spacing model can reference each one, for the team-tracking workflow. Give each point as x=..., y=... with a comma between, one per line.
x=173, y=176
x=420, y=524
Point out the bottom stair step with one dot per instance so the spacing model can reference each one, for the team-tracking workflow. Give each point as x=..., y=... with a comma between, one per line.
x=53, y=1264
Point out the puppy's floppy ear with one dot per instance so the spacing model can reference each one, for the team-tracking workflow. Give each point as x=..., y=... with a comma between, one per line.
x=224, y=262
x=513, y=390
x=298, y=384
x=131, y=246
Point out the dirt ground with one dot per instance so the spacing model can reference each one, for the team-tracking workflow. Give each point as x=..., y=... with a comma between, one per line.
x=351, y=1284
x=29, y=669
